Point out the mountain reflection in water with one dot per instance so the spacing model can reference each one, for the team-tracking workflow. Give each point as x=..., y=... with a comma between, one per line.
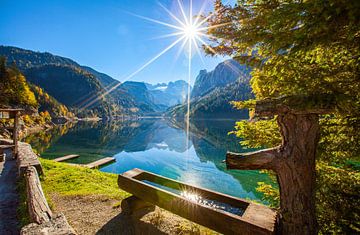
x=158, y=146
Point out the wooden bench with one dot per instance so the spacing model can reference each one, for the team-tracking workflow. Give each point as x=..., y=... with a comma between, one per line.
x=220, y=212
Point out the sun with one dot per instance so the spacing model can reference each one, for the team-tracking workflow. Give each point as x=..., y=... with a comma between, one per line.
x=191, y=31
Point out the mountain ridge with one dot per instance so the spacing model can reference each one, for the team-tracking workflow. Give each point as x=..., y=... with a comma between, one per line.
x=214, y=100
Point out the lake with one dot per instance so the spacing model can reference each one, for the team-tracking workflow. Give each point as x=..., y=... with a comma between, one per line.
x=158, y=146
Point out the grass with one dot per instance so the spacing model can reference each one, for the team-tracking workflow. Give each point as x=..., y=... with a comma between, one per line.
x=67, y=180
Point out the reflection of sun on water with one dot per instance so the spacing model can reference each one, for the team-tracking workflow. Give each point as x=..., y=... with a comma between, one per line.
x=194, y=197
x=191, y=196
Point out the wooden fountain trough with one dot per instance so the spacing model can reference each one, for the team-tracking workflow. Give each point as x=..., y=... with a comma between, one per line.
x=220, y=212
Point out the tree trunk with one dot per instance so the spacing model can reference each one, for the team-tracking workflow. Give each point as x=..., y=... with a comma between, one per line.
x=295, y=168
x=294, y=160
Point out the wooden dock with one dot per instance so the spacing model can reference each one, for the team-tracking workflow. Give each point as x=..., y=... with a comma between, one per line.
x=100, y=162
x=65, y=158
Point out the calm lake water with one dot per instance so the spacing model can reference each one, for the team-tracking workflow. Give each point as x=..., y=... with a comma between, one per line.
x=158, y=146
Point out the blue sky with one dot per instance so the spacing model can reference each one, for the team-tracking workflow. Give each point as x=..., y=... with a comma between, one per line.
x=104, y=35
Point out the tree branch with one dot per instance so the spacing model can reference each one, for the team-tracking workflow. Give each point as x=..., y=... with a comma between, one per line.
x=297, y=104
x=262, y=159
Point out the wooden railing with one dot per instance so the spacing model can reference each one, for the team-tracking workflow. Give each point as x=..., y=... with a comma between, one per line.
x=41, y=216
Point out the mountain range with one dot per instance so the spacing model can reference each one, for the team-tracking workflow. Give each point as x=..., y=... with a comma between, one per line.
x=81, y=88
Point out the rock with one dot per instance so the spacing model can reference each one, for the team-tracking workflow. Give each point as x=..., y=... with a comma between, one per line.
x=58, y=225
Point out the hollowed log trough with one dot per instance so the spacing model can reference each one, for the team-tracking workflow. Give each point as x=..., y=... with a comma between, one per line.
x=149, y=189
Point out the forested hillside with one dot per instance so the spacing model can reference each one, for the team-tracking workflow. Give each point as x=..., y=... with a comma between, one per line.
x=16, y=92
x=70, y=86
x=76, y=86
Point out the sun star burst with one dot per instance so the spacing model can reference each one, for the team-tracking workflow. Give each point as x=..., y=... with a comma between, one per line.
x=191, y=30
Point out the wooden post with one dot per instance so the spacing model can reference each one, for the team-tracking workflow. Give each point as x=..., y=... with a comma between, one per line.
x=13, y=114
x=132, y=204
x=16, y=133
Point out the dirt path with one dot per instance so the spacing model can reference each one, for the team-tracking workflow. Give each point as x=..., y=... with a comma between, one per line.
x=96, y=215
x=9, y=198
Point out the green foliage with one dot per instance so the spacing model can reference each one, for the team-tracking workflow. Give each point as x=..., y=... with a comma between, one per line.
x=338, y=199
x=259, y=134
x=271, y=194
x=14, y=89
x=41, y=119
x=340, y=141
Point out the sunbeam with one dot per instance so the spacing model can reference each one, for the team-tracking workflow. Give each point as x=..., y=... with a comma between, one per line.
x=136, y=72
x=190, y=30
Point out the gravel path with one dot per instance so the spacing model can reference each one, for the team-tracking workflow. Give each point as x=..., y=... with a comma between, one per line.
x=9, y=198
x=97, y=215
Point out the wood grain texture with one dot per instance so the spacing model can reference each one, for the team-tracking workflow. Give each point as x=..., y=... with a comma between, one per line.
x=100, y=162
x=262, y=159
x=27, y=157
x=67, y=157
x=39, y=210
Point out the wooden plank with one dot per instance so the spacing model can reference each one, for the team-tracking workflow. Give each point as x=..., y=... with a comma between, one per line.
x=26, y=157
x=39, y=210
x=11, y=110
x=16, y=133
x=259, y=220
x=100, y=162
x=67, y=157
x=6, y=146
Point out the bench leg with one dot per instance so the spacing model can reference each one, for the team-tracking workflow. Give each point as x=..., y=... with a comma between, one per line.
x=2, y=155
x=131, y=204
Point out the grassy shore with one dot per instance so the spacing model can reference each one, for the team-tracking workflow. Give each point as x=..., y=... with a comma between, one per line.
x=67, y=180
x=90, y=200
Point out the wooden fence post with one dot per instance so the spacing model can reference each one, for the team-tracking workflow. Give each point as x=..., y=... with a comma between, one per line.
x=16, y=133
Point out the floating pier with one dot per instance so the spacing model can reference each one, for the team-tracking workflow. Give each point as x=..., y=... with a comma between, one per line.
x=65, y=158
x=100, y=162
